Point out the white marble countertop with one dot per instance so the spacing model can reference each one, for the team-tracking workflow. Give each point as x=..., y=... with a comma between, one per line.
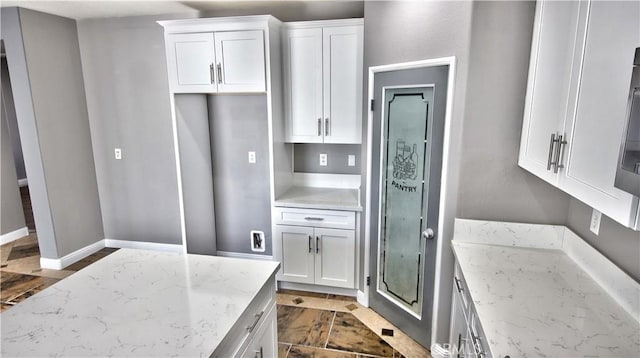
x=136, y=303
x=536, y=302
x=320, y=198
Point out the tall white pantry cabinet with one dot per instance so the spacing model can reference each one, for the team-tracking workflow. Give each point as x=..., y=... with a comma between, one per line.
x=579, y=76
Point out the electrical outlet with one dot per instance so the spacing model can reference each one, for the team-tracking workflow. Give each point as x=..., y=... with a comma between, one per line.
x=257, y=241
x=323, y=160
x=252, y=157
x=351, y=159
x=118, y=153
x=595, y=221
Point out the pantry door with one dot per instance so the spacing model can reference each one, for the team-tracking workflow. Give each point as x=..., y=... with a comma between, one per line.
x=408, y=129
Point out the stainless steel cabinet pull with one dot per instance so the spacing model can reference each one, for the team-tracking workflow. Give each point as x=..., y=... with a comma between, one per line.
x=319, y=127
x=550, y=159
x=309, y=243
x=211, y=73
x=317, y=244
x=255, y=323
x=457, y=280
x=326, y=126
x=428, y=234
x=475, y=340
x=219, y=73
x=558, y=154
x=259, y=354
x=311, y=218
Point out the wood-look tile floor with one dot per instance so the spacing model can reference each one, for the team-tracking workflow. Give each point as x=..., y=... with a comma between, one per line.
x=21, y=275
x=329, y=326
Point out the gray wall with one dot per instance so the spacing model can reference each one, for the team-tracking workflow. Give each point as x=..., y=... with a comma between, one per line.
x=192, y=119
x=57, y=88
x=11, y=214
x=238, y=124
x=492, y=186
x=44, y=64
x=11, y=33
x=402, y=31
x=12, y=120
x=306, y=158
x=618, y=243
x=124, y=66
x=283, y=10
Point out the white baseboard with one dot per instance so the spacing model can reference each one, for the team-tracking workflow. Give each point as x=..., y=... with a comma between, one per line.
x=142, y=245
x=14, y=235
x=23, y=182
x=59, y=264
x=245, y=256
x=362, y=298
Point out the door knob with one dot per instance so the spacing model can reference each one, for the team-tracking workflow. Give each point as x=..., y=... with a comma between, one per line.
x=428, y=234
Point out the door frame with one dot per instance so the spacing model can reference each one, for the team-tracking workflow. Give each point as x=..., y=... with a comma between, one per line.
x=363, y=296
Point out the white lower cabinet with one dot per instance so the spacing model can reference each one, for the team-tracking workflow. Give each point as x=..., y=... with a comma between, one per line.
x=466, y=339
x=264, y=342
x=255, y=334
x=315, y=255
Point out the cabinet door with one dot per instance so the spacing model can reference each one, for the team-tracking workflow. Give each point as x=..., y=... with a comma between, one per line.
x=335, y=257
x=190, y=62
x=264, y=343
x=240, y=61
x=458, y=332
x=295, y=252
x=342, y=69
x=548, y=88
x=594, y=135
x=303, y=85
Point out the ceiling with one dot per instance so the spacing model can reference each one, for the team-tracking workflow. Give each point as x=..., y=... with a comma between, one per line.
x=86, y=9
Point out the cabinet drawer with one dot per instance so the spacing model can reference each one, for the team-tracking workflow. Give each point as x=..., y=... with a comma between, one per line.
x=317, y=218
x=238, y=337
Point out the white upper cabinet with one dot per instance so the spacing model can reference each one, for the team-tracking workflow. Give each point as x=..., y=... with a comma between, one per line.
x=240, y=61
x=190, y=59
x=209, y=62
x=579, y=76
x=323, y=81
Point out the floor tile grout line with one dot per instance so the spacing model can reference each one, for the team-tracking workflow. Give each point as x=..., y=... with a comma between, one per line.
x=330, y=329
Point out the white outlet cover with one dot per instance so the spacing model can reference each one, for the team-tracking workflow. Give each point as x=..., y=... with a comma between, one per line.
x=323, y=160
x=118, y=153
x=596, y=216
x=351, y=159
x=252, y=157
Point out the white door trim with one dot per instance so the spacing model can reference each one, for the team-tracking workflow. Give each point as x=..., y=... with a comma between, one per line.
x=363, y=296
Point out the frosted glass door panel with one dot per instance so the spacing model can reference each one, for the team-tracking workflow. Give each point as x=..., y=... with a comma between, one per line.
x=405, y=172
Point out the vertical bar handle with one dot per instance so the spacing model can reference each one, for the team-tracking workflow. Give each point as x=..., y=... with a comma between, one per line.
x=213, y=80
x=558, y=154
x=326, y=126
x=317, y=244
x=260, y=353
x=319, y=127
x=309, y=243
x=219, y=72
x=550, y=159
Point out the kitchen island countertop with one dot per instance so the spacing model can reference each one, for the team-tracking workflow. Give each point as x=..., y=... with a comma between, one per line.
x=137, y=303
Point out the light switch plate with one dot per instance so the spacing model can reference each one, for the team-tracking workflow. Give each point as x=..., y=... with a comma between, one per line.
x=252, y=157
x=351, y=160
x=595, y=221
x=118, y=153
x=323, y=160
